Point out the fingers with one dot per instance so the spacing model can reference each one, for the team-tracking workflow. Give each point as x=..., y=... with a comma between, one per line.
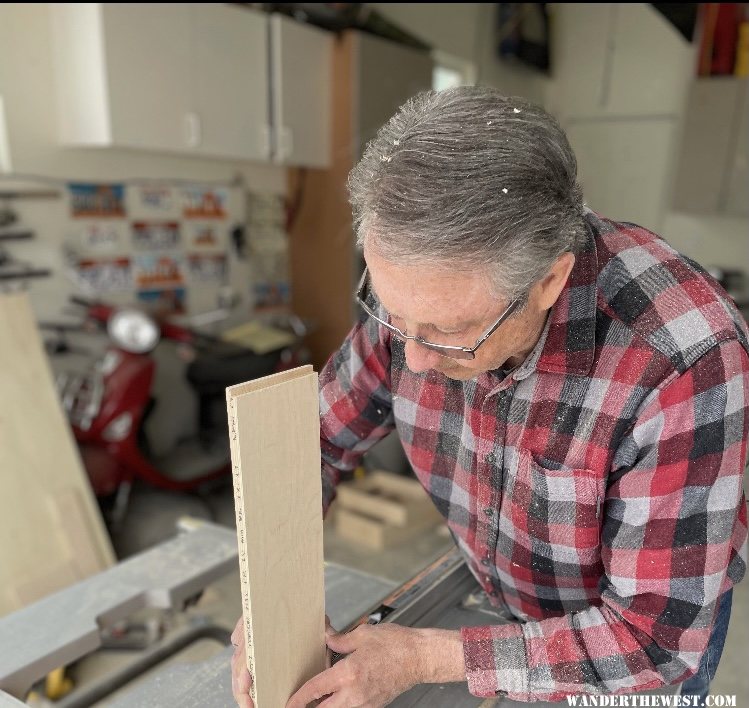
x=245, y=702
x=237, y=636
x=241, y=681
x=240, y=676
x=341, y=643
x=330, y=631
x=321, y=685
x=329, y=628
x=337, y=700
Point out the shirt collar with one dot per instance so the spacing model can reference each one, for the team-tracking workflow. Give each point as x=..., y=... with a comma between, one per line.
x=532, y=360
x=567, y=343
x=570, y=335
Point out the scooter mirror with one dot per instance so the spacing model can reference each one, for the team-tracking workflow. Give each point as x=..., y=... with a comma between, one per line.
x=133, y=330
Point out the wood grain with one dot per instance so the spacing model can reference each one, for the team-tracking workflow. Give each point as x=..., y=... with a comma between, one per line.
x=274, y=432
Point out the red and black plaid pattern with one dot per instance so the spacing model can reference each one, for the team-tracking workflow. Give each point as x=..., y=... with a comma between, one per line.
x=596, y=491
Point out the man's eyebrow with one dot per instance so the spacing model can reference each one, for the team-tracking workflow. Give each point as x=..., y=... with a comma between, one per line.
x=456, y=326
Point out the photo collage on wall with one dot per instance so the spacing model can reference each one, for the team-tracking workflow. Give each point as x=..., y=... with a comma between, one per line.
x=150, y=240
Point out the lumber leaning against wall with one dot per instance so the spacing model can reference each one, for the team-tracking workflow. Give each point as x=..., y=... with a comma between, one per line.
x=274, y=429
x=51, y=530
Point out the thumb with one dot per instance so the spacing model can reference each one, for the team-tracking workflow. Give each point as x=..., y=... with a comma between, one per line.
x=329, y=628
x=340, y=642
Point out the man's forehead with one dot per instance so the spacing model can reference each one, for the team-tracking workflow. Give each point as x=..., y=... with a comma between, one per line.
x=431, y=295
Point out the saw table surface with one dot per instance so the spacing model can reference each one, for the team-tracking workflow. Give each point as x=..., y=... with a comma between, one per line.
x=66, y=626
x=63, y=627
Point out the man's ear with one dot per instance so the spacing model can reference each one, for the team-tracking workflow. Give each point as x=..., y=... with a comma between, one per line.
x=552, y=284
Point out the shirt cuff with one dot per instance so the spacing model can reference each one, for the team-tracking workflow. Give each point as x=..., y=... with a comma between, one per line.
x=496, y=661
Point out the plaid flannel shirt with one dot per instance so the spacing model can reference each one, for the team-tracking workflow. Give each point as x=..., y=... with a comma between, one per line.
x=596, y=490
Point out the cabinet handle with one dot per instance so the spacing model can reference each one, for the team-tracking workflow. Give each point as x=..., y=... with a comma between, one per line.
x=286, y=143
x=265, y=141
x=192, y=130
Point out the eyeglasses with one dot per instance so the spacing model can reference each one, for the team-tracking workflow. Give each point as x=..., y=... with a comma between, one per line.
x=448, y=350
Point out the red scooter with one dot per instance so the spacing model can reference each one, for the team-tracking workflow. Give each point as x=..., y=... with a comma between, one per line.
x=109, y=405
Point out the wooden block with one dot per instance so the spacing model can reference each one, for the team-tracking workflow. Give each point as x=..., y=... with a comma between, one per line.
x=274, y=430
x=373, y=532
x=397, y=500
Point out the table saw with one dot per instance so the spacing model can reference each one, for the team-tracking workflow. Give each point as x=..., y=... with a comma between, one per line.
x=68, y=625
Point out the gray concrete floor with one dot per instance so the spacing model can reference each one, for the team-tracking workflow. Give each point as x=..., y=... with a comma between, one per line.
x=152, y=517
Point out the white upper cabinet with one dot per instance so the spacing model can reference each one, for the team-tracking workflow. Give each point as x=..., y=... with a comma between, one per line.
x=231, y=81
x=190, y=78
x=122, y=73
x=301, y=93
x=146, y=60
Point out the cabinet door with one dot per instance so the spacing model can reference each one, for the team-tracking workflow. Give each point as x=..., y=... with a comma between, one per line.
x=147, y=55
x=301, y=76
x=231, y=81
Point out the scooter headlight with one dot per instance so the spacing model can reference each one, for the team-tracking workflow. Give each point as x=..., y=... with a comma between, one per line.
x=133, y=330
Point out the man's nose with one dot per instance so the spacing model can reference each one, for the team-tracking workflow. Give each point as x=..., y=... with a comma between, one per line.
x=419, y=358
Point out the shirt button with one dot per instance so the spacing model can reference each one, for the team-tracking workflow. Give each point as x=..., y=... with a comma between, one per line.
x=489, y=511
x=484, y=561
x=493, y=593
x=491, y=458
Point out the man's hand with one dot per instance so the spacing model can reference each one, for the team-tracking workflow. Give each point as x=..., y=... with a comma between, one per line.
x=241, y=681
x=240, y=676
x=383, y=661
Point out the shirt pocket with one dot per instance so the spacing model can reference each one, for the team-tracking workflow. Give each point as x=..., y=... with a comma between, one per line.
x=558, y=506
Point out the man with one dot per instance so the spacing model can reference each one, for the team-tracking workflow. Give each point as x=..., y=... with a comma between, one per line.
x=571, y=392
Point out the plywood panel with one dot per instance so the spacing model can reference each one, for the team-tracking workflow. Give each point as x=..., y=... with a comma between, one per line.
x=275, y=444
x=51, y=532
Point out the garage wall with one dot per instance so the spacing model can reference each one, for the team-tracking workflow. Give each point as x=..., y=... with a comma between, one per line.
x=619, y=86
x=467, y=31
x=28, y=91
x=622, y=75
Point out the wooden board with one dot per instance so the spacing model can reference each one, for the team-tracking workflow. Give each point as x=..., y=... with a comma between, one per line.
x=274, y=429
x=51, y=531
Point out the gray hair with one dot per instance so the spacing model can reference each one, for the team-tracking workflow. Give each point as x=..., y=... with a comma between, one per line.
x=474, y=179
